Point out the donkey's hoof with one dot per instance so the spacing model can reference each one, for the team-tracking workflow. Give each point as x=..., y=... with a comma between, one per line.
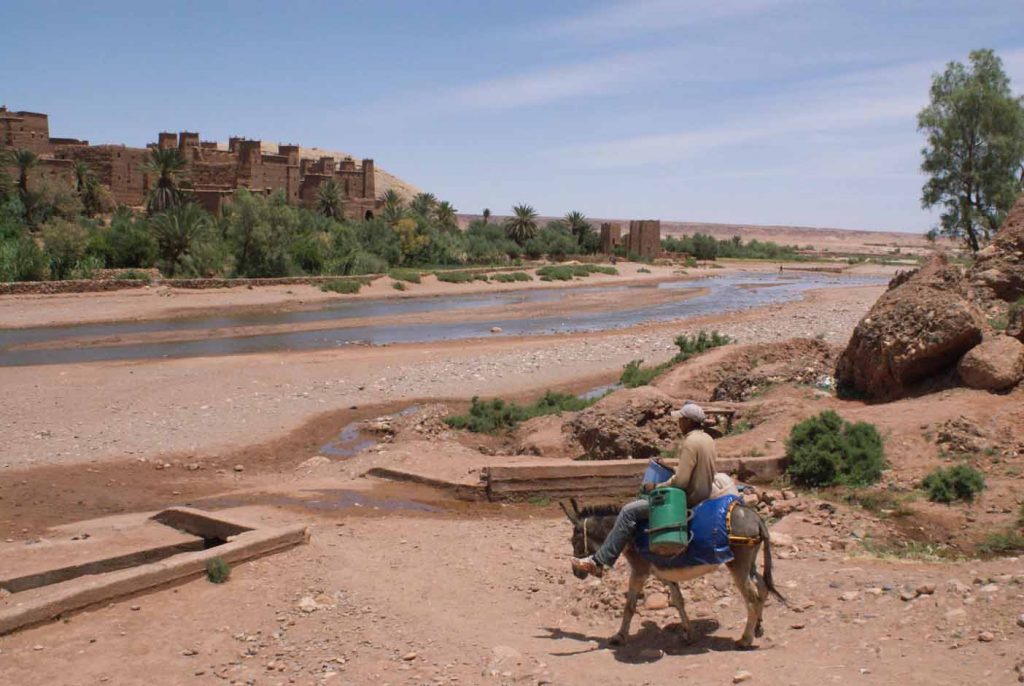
x=686, y=634
x=617, y=640
x=745, y=644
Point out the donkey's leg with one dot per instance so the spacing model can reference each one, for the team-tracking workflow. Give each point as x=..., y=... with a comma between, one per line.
x=742, y=568
x=677, y=600
x=637, y=576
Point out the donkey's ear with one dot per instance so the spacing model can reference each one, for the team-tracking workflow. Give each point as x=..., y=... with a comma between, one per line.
x=570, y=515
x=575, y=507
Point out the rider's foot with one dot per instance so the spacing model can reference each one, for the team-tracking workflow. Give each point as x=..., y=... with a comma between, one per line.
x=587, y=565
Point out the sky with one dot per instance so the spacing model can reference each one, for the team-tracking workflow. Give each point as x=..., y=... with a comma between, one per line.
x=792, y=112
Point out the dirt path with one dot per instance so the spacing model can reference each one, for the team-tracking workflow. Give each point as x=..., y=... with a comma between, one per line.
x=465, y=599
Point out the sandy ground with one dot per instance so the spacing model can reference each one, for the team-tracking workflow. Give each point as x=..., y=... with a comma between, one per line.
x=478, y=598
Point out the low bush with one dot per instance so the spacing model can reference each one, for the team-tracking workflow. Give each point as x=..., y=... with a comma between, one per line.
x=643, y=270
x=217, y=570
x=508, y=277
x=408, y=275
x=960, y=482
x=1002, y=543
x=568, y=272
x=492, y=416
x=398, y=285
x=827, y=450
x=340, y=286
x=460, y=277
x=133, y=275
x=635, y=374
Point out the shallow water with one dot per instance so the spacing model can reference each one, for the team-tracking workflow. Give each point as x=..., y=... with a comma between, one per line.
x=725, y=294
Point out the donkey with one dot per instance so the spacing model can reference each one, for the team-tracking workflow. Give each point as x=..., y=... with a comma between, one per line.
x=592, y=524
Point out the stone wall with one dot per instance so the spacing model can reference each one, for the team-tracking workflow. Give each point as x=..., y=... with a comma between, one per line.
x=644, y=238
x=27, y=130
x=611, y=236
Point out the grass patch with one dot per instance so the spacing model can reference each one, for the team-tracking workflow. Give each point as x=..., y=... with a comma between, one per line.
x=1002, y=543
x=460, y=277
x=643, y=270
x=826, y=450
x=340, y=286
x=910, y=550
x=881, y=503
x=961, y=482
x=509, y=277
x=568, y=272
x=398, y=285
x=492, y=416
x=408, y=275
x=635, y=374
x=539, y=500
x=217, y=570
x=739, y=427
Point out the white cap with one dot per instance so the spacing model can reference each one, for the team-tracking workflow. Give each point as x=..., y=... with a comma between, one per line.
x=690, y=410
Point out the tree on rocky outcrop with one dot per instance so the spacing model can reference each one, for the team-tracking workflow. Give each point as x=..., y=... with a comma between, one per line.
x=167, y=165
x=329, y=201
x=975, y=147
x=522, y=225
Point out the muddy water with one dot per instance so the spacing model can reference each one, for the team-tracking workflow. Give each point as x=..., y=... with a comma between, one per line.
x=724, y=294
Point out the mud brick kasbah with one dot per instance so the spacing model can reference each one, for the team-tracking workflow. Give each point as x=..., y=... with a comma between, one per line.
x=215, y=171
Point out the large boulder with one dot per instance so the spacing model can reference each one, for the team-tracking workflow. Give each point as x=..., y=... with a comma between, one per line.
x=919, y=328
x=633, y=423
x=995, y=365
x=999, y=267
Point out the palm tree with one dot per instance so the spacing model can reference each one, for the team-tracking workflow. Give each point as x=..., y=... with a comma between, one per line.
x=445, y=214
x=423, y=203
x=578, y=225
x=522, y=225
x=24, y=160
x=487, y=214
x=329, y=201
x=176, y=230
x=83, y=176
x=167, y=166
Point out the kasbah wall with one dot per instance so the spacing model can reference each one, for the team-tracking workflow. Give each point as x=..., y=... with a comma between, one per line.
x=213, y=172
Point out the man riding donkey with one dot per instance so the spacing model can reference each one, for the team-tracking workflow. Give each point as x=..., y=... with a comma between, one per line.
x=723, y=531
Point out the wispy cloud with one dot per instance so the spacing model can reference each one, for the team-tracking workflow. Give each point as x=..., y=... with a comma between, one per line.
x=848, y=102
x=594, y=77
x=639, y=16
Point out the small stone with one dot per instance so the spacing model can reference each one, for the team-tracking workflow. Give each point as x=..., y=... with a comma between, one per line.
x=190, y=652
x=741, y=676
x=656, y=601
x=926, y=589
x=986, y=637
x=308, y=605
x=409, y=657
x=239, y=467
x=37, y=647
x=849, y=595
x=1020, y=621
x=989, y=588
x=495, y=329
x=906, y=595
x=797, y=625
x=136, y=608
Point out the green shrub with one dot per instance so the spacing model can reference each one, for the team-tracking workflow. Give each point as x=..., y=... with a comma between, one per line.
x=341, y=286
x=456, y=277
x=960, y=482
x=1002, y=543
x=492, y=416
x=398, y=285
x=826, y=450
x=409, y=275
x=643, y=270
x=635, y=375
x=87, y=267
x=217, y=570
x=133, y=275
x=508, y=277
x=568, y=272
x=21, y=260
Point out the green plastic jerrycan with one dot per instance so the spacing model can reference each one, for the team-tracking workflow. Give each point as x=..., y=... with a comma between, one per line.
x=667, y=521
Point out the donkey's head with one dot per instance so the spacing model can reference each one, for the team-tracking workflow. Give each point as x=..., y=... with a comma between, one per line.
x=590, y=526
x=579, y=542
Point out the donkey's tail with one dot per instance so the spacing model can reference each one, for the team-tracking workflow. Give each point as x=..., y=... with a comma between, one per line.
x=766, y=538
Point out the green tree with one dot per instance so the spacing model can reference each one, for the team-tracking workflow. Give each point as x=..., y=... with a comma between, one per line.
x=177, y=231
x=423, y=204
x=522, y=225
x=487, y=215
x=578, y=225
x=329, y=201
x=24, y=160
x=65, y=243
x=167, y=165
x=975, y=147
x=394, y=208
x=445, y=215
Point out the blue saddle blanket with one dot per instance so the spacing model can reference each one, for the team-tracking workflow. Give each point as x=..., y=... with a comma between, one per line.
x=709, y=529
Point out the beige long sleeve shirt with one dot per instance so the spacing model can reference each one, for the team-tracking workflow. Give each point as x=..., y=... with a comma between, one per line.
x=695, y=472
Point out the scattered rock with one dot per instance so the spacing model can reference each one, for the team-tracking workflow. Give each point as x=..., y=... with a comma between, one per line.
x=994, y=365
x=1020, y=621
x=926, y=589
x=308, y=605
x=409, y=657
x=741, y=676
x=239, y=468
x=998, y=268
x=656, y=601
x=986, y=637
x=631, y=423
x=849, y=595
x=907, y=595
x=495, y=329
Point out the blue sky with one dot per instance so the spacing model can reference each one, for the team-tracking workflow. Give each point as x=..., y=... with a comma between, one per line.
x=748, y=111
